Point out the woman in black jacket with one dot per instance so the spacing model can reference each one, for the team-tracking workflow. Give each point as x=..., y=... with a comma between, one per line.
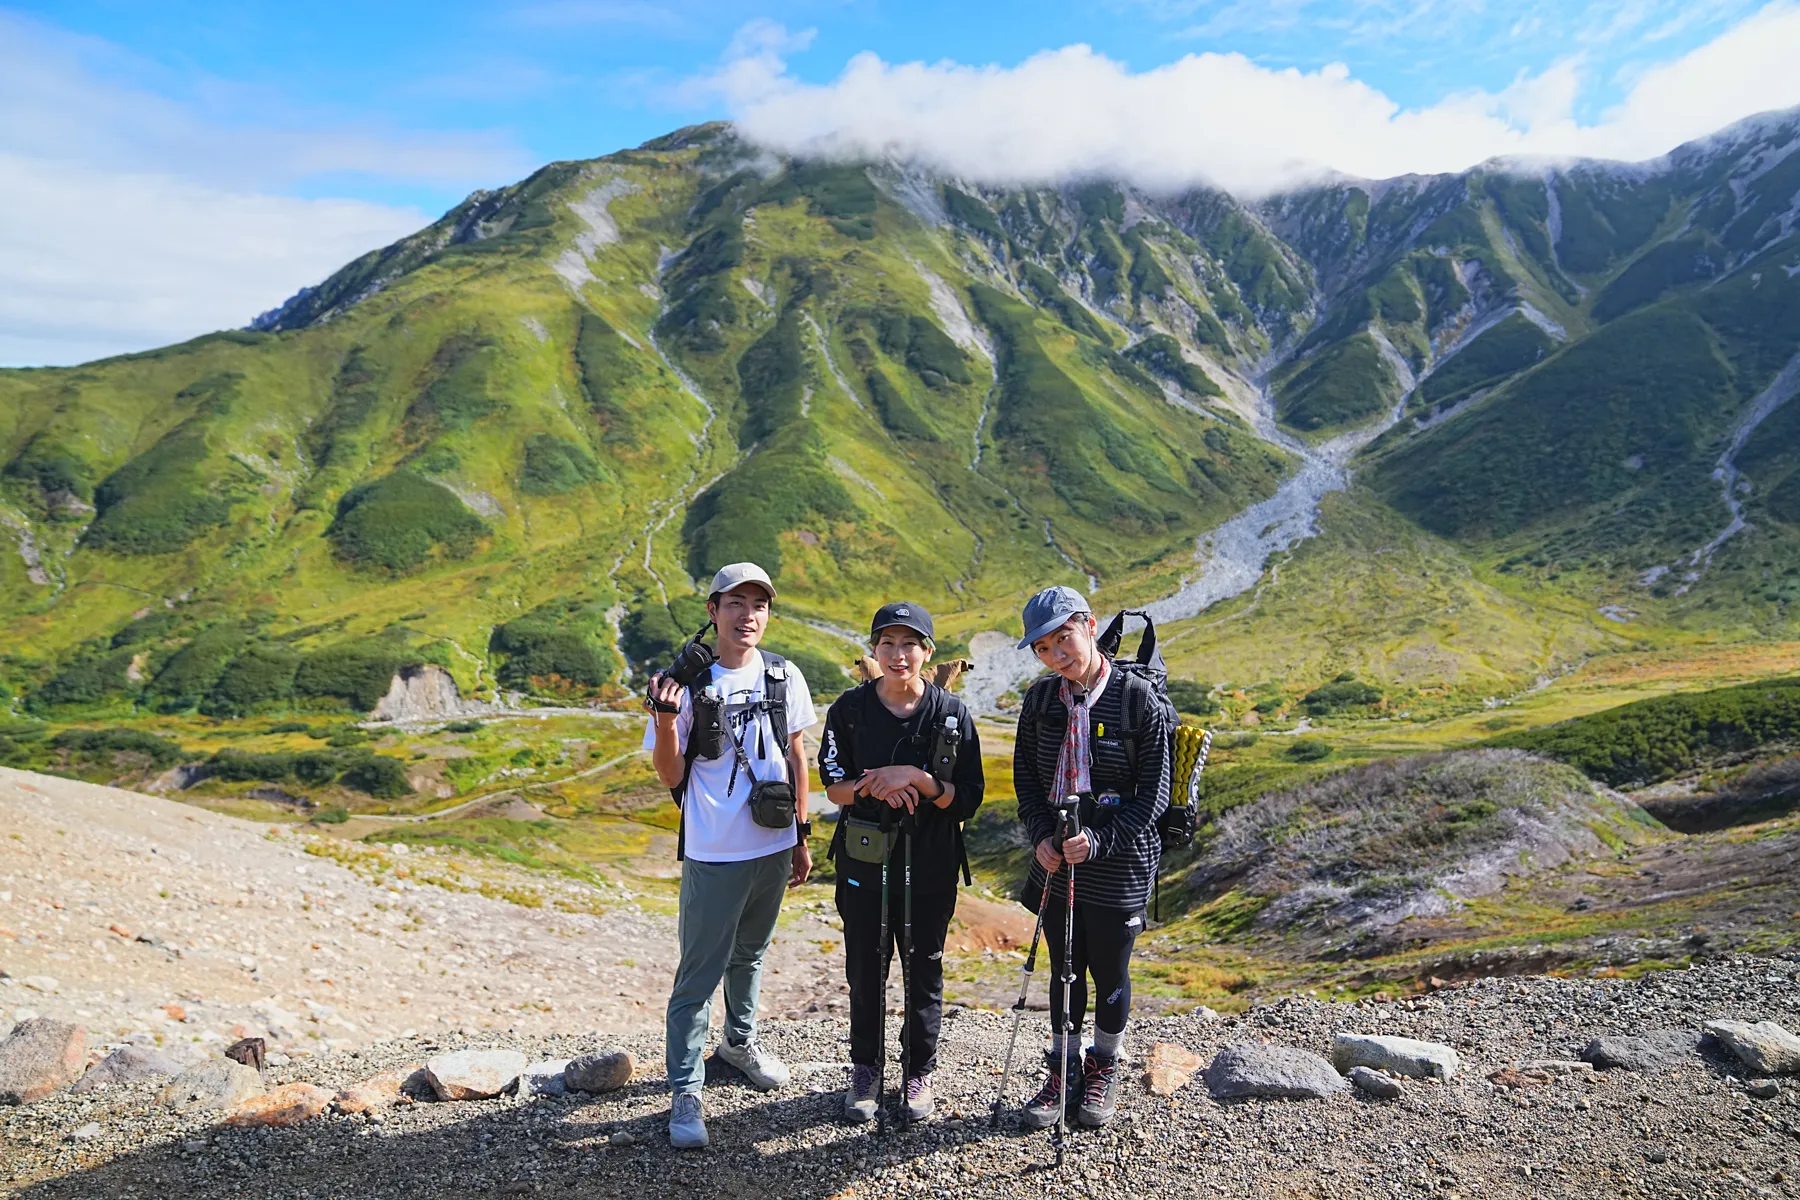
x=876, y=759
x=1069, y=744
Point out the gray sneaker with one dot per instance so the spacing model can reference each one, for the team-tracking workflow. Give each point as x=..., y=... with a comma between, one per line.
x=860, y=1100
x=687, y=1128
x=764, y=1071
x=920, y=1103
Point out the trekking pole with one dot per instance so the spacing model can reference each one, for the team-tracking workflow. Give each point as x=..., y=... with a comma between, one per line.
x=906, y=972
x=1018, y=1008
x=881, y=1113
x=1071, y=826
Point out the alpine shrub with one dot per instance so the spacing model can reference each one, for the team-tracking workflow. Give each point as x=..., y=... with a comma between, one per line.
x=95, y=742
x=357, y=673
x=1652, y=740
x=553, y=466
x=397, y=522
x=262, y=674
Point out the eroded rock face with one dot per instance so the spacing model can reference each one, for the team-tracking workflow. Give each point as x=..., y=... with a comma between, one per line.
x=40, y=1057
x=216, y=1083
x=1396, y=1055
x=1255, y=1069
x=1765, y=1047
x=425, y=693
x=474, y=1074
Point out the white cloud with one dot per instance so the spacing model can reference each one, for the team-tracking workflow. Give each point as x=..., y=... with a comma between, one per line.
x=96, y=262
x=134, y=219
x=1225, y=120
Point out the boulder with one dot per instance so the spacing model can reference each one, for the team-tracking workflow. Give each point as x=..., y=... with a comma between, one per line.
x=39, y=1057
x=215, y=1083
x=1280, y=1072
x=1395, y=1055
x=127, y=1064
x=600, y=1072
x=382, y=1091
x=474, y=1074
x=1656, y=1050
x=544, y=1079
x=1765, y=1047
x=1169, y=1067
x=287, y=1105
x=1371, y=1082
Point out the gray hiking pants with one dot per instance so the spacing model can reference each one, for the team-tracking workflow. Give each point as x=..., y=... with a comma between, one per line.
x=728, y=913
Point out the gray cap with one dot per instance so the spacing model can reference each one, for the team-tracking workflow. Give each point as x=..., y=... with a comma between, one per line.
x=733, y=574
x=1049, y=610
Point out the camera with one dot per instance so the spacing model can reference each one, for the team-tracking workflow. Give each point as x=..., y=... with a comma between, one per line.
x=694, y=659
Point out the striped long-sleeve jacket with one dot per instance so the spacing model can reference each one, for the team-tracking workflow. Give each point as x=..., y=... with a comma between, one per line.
x=1127, y=847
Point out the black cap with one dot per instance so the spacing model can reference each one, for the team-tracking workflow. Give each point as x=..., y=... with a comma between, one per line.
x=902, y=613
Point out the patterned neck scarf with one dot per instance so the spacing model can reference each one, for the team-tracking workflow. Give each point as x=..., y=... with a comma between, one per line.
x=1072, y=761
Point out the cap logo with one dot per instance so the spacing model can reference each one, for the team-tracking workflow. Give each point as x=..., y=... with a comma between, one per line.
x=901, y=612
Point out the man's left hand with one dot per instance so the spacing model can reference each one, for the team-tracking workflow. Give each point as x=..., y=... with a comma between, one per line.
x=1077, y=848
x=802, y=864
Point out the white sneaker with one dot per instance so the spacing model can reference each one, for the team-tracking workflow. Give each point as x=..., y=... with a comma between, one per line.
x=764, y=1070
x=687, y=1128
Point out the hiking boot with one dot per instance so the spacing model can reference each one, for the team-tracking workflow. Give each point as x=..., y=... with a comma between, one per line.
x=1040, y=1111
x=920, y=1103
x=860, y=1100
x=764, y=1071
x=1099, y=1090
x=687, y=1128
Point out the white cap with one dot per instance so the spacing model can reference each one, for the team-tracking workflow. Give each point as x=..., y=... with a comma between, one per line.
x=733, y=574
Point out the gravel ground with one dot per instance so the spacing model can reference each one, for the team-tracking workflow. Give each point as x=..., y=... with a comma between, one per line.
x=1692, y=1131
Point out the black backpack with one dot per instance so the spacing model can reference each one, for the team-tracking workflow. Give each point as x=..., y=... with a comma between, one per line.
x=1146, y=683
x=773, y=703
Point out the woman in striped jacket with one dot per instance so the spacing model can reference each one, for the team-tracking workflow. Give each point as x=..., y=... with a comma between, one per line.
x=1069, y=744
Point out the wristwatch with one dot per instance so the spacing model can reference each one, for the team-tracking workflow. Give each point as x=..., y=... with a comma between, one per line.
x=805, y=828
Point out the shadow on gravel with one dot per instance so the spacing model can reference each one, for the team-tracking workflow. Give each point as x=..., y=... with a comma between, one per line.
x=793, y=1147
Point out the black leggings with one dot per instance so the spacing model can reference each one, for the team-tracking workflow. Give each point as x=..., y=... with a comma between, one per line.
x=865, y=957
x=1103, y=941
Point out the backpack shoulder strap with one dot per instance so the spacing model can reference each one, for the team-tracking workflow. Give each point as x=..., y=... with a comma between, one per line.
x=1134, y=704
x=775, y=674
x=1037, y=700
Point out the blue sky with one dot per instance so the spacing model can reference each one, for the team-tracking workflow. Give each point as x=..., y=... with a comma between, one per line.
x=191, y=163
x=576, y=78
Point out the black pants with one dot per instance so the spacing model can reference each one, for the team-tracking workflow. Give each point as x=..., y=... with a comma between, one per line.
x=864, y=957
x=1103, y=941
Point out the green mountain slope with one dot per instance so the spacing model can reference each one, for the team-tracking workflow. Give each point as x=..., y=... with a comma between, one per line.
x=511, y=443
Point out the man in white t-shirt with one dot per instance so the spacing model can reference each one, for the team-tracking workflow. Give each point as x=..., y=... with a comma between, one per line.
x=733, y=870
